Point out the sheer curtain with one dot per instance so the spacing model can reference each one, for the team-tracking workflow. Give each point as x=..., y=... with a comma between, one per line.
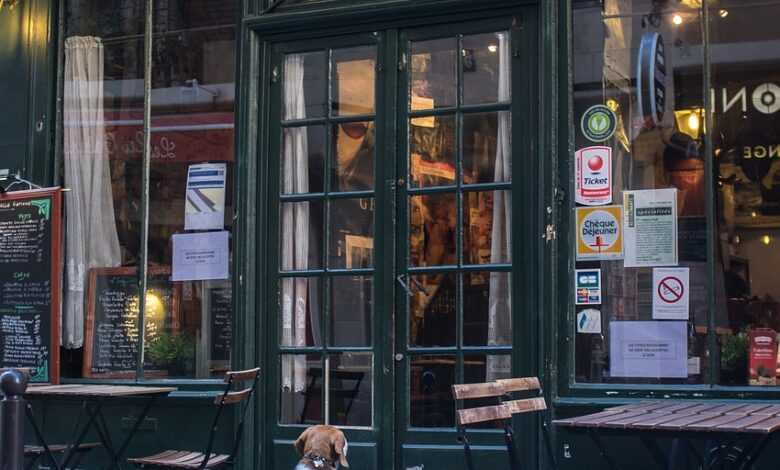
x=90, y=226
x=500, y=297
x=295, y=226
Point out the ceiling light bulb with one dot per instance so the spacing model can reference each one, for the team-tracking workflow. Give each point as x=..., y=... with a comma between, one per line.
x=723, y=13
x=492, y=48
x=766, y=240
x=677, y=19
x=693, y=122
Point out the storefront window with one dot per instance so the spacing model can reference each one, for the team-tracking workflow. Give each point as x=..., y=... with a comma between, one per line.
x=673, y=226
x=188, y=315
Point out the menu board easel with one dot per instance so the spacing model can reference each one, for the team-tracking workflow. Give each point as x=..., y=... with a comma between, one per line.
x=30, y=231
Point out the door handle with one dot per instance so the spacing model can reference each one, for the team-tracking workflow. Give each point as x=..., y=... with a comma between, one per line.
x=403, y=284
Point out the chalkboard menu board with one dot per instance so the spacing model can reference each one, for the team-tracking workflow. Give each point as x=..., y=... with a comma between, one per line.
x=111, y=342
x=221, y=313
x=30, y=227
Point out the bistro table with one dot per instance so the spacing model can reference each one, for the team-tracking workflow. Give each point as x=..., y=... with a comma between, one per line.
x=684, y=420
x=92, y=398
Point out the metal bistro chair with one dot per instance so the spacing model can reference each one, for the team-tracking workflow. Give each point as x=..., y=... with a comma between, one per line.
x=502, y=412
x=202, y=460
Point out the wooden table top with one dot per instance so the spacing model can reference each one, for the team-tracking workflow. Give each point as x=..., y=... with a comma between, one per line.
x=96, y=391
x=677, y=415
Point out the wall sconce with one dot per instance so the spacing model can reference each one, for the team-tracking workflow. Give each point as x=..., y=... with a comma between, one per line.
x=690, y=121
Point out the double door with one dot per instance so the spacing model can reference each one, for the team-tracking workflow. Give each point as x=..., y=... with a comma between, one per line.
x=401, y=212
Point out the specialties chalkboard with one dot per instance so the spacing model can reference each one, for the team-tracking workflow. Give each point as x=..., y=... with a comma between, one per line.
x=221, y=316
x=30, y=227
x=111, y=342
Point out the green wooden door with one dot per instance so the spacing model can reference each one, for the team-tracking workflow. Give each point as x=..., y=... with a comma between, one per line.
x=395, y=234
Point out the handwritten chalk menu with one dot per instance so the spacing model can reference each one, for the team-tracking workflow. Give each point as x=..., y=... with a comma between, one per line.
x=221, y=313
x=111, y=341
x=30, y=227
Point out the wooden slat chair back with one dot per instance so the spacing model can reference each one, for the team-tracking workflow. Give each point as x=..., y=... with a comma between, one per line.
x=536, y=403
x=203, y=460
x=500, y=412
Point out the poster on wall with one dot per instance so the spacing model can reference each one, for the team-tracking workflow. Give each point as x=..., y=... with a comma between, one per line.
x=650, y=227
x=599, y=233
x=205, y=199
x=594, y=176
x=649, y=349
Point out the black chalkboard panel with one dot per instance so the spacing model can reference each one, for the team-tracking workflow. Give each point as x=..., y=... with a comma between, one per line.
x=30, y=228
x=111, y=342
x=221, y=316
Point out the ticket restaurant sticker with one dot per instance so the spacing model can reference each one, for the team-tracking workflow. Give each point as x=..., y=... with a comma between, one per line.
x=594, y=176
x=599, y=233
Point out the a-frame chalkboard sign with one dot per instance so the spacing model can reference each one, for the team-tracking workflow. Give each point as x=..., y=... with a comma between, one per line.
x=30, y=231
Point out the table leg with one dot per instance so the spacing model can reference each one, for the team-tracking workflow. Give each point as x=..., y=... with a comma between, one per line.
x=602, y=450
x=104, y=433
x=752, y=453
x=133, y=430
x=655, y=451
x=39, y=436
x=72, y=449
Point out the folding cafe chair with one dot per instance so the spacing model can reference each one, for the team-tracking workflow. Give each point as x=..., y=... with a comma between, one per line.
x=203, y=460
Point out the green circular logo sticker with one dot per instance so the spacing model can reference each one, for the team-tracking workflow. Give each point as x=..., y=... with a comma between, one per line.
x=598, y=123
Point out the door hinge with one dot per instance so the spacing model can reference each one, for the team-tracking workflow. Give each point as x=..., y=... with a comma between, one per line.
x=549, y=233
x=402, y=62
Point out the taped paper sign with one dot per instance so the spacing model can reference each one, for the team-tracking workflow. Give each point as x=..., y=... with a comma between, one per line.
x=594, y=176
x=650, y=227
x=587, y=287
x=589, y=321
x=652, y=349
x=205, y=198
x=671, y=293
x=599, y=233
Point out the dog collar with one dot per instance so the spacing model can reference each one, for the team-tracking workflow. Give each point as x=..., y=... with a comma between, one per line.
x=319, y=461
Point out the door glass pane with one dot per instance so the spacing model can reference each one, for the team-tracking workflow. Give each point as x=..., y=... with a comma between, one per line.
x=353, y=156
x=303, y=159
x=487, y=147
x=353, y=80
x=352, y=305
x=304, y=85
x=432, y=310
x=300, y=235
x=349, y=388
x=351, y=233
x=432, y=234
x=486, y=68
x=433, y=66
x=432, y=151
x=487, y=307
x=487, y=222
x=300, y=304
x=301, y=398
x=430, y=391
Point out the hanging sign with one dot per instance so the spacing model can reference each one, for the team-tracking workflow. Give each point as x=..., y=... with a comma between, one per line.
x=671, y=293
x=587, y=286
x=599, y=233
x=594, y=176
x=598, y=123
x=651, y=79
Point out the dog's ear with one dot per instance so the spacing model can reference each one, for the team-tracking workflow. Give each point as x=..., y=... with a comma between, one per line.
x=300, y=443
x=341, y=446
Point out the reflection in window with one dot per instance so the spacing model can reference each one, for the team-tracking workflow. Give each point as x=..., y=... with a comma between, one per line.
x=430, y=393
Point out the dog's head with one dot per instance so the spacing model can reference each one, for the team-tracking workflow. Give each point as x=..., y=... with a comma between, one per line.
x=322, y=445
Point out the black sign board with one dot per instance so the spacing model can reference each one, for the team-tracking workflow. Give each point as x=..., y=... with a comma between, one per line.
x=111, y=341
x=30, y=227
x=221, y=316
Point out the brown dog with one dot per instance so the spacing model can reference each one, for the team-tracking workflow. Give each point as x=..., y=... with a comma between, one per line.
x=322, y=448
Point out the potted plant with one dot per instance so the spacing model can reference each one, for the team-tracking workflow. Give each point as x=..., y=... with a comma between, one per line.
x=734, y=359
x=173, y=352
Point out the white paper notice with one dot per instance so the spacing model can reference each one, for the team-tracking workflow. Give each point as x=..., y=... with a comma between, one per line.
x=671, y=293
x=200, y=256
x=650, y=227
x=653, y=349
x=205, y=198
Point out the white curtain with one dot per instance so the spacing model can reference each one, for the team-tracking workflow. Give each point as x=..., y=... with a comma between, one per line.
x=500, y=300
x=89, y=206
x=295, y=226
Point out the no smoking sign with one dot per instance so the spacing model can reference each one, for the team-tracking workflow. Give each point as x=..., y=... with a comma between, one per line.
x=671, y=293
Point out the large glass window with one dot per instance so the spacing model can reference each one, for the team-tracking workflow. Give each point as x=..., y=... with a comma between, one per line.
x=674, y=226
x=190, y=207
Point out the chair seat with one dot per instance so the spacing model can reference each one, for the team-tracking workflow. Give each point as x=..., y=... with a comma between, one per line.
x=181, y=459
x=30, y=451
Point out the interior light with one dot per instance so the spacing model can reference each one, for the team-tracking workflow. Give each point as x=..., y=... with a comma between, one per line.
x=492, y=48
x=753, y=214
x=154, y=305
x=693, y=121
x=677, y=19
x=766, y=240
x=723, y=13
x=612, y=104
